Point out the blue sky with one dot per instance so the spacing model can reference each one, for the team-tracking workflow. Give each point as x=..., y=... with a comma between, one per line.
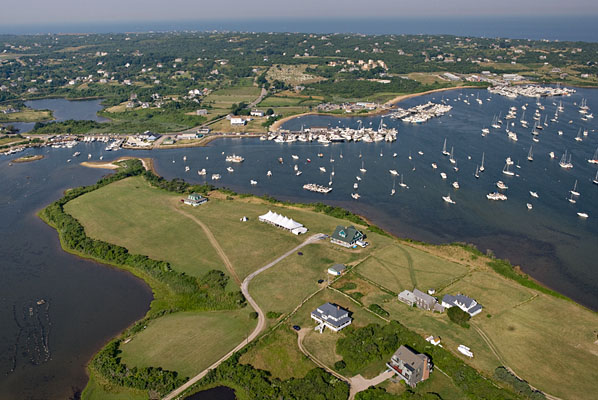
x=64, y=11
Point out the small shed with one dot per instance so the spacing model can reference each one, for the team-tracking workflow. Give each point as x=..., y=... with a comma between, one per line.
x=337, y=269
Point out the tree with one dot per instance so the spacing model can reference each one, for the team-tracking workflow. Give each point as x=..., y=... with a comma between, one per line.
x=269, y=111
x=458, y=316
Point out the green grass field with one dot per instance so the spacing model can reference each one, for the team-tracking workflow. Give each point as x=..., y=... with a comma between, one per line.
x=399, y=267
x=279, y=354
x=27, y=115
x=98, y=389
x=225, y=98
x=543, y=339
x=188, y=342
x=132, y=214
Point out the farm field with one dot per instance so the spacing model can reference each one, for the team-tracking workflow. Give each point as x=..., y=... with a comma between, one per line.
x=188, y=342
x=516, y=328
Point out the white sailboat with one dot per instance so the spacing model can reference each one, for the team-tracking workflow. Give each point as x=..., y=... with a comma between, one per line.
x=403, y=184
x=477, y=172
x=482, y=166
x=393, y=191
x=530, y=154
x=506, y=171
x=596, y=178
x=362, y=169
x=451, y=158
x=574, y=190
x=444, y=152
x=594, y=159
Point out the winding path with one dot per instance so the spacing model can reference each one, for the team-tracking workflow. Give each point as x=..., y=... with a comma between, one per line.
x=261, y=318
x=214, y=243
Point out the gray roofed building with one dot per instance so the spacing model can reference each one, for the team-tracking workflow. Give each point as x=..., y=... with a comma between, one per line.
x=346, y=236
x=410, y=366
x=465, y=303
x=332, y=316
x=407, y=297
x=337, y=269
x=424, y=300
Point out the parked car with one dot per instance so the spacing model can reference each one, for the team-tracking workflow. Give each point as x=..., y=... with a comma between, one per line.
x=296, y=327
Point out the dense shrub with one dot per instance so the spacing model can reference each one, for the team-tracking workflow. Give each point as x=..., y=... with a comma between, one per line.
x=458, y=316
x=521, y=387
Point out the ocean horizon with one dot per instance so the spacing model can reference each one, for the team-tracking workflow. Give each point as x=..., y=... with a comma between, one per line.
x=554, y=28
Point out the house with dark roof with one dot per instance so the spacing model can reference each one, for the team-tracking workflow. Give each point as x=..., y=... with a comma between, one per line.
x=347, y=236
x=465, y=303
x=331, y=316
x=410, y=366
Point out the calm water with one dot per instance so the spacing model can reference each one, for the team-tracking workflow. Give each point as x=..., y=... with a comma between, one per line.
x=217, y=393
x=561, y=27
x=550, y=241
x=63, y=110
x=44, y=347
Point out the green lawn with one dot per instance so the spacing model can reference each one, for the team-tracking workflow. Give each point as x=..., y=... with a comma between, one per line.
x=132, y=214
x=188, y=342
x=278, y=353
x=225, y=98
x=399, y=267
x=105, y=391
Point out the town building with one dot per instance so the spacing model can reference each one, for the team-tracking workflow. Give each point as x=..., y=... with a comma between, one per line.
x=347, y=236
x=257, y=113
x=281, y=221
x=465, y=303
x=331, y=316
x=186, y=136
x=410, y=366
x=202, y=111
x=423, y=300
x=237, y=121
x=337, y=269
x=195, y=199
x=407, y=297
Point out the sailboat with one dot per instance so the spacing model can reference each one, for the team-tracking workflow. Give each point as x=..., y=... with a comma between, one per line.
x=477, y=172
x=362, y=169
x=574, y=190
x=444, y=152
x=596, y=178
x=578, y=137
x=451, y=159
x=402, y=184
x=393, y=191
x=566, y=163
x=572, y=200
x=530, y=154
x=482, y=166
x=506, y=171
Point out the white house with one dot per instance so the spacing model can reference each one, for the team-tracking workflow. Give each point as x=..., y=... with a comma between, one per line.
x=257, y=113
x=465, y=303
x=237, y=121
x=331, y=316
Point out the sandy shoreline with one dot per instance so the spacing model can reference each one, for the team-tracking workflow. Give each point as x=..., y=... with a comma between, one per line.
x=276, y=125
x=148, y=163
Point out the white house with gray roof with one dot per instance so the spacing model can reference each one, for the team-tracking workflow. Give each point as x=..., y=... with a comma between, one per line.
x=465, y=303
x=331, y=316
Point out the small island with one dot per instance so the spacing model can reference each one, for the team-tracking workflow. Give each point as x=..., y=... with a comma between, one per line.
x=25, y=159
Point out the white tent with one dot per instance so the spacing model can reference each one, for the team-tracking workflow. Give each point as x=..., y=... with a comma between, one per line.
x=281, y=221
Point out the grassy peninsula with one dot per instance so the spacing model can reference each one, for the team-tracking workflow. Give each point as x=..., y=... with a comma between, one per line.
x=194, y=258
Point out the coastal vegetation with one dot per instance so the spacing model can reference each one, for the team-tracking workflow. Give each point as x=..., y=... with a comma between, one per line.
x=158, y=81
x=30, y=158
x=142, y=214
